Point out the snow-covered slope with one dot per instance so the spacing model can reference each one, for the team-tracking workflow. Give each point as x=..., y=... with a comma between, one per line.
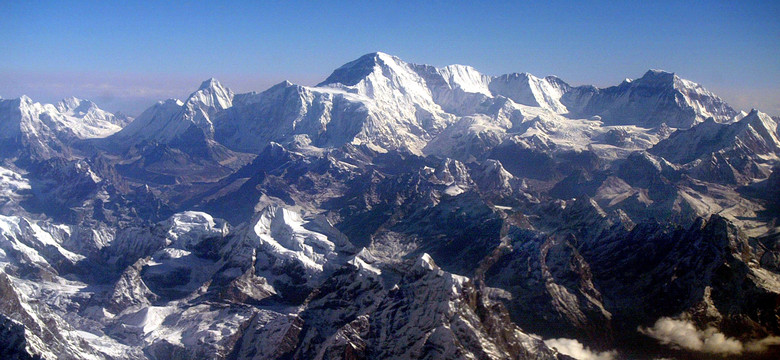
x=12, y=185
x=466, y=78
x=306, y=249
x=458, y=89
x=529, y=90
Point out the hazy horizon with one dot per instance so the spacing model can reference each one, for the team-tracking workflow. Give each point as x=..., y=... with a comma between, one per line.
x=128, y=56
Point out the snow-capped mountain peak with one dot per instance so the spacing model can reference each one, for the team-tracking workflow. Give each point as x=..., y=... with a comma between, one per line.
x=354, y=71
x=75, y=104
x=212, y=94
x=656, y=98
x=171, y=119
x=694, y=96
x=401, y=108
x=659, y=75
x=203, y=104
x=381, y=77
x=46, y=126
x=209, y=83
x=88, y=112
x=753, y=140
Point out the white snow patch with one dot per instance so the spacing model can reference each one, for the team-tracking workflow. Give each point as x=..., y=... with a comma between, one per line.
x=360, y=264
x=12, y=182
x=454, y=190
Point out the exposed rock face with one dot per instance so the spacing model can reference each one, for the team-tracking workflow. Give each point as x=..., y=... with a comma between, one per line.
x=14, y=344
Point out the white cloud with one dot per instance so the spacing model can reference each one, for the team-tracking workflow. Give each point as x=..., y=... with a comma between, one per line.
x=578, y=351
x=763, y=344
x=683, y=334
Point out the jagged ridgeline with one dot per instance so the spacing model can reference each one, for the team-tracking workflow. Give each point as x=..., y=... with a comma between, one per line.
x=393, y=211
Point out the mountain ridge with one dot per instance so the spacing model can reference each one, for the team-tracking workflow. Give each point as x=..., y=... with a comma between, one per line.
x=395, y=210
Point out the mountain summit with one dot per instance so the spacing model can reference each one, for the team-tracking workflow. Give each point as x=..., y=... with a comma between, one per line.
x=43, y=130
x=355, y=71
x=658, y=97
x=169, y=120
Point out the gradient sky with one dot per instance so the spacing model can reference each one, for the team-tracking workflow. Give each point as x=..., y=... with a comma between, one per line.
x=126, y=56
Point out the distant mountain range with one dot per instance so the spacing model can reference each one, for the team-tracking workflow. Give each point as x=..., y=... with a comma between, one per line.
x=393, y=211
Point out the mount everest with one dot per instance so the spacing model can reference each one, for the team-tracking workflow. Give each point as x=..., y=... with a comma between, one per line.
x=394, y=210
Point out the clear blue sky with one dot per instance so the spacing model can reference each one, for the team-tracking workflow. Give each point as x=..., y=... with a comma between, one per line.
x=126, y=55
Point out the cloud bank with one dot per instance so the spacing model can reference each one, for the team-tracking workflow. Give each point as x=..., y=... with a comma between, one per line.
x=578, y=351
x=683, y=334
